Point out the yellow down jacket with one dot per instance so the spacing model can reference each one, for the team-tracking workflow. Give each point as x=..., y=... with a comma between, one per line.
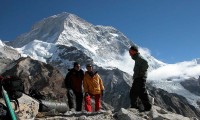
x=93, y=85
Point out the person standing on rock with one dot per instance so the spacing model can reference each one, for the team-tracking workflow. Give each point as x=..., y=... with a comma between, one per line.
x=74, y=83
x=93, y=87
x=138, y=89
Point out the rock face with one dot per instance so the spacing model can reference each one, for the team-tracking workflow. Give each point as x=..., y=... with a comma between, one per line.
x=38, y=75
x=7, y=55
x=193, y=85
x=117, y=86
x=68, y=54
x=3, y=63
x=173, y=102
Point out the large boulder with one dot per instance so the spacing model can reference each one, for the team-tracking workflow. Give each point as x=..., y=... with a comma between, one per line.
x=26, y=108
x=40, y=76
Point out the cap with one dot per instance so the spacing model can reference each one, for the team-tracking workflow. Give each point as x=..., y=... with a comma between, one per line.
x=76, y=63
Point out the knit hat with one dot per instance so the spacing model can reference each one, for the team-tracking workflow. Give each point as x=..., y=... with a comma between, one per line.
x=134, y=47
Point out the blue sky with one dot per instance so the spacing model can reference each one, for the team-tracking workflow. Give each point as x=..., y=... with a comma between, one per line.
x=170, y=29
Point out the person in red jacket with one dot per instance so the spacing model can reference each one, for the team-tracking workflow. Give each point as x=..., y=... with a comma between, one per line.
x=73, y=83
x=93, y=87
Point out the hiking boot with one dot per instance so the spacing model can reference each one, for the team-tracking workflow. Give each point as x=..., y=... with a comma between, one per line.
x=72, y=110
x=144, y=110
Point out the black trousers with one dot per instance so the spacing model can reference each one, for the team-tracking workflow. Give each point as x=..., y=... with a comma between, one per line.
x=138, y=90
x=78, y=97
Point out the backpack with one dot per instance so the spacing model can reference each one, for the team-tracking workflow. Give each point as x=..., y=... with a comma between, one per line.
x=14, y=86
x=4, y=112
x=35, y=93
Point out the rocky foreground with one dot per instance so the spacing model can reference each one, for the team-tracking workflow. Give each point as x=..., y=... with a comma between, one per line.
x=28, y=110
x=124, y=114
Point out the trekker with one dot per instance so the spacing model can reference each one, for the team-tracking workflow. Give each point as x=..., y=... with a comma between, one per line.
x=138, y=89
x=93, y=87
x=74, y=82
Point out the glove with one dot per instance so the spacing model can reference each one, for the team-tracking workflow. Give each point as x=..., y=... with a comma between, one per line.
x=70, y=91
x=86, y=94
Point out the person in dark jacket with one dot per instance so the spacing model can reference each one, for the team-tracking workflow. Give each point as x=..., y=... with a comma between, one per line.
x=74, y=83
x=138, y=89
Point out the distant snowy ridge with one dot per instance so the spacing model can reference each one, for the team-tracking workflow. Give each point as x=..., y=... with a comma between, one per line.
x=168, y=78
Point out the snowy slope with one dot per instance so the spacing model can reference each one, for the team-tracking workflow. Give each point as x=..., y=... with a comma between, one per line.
x=38, y=50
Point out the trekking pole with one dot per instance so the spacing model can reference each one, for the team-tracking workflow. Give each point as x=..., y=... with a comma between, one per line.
x=8, y=104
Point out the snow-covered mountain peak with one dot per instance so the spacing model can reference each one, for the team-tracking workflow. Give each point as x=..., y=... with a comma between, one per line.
x=107, y=46
x=49, y=29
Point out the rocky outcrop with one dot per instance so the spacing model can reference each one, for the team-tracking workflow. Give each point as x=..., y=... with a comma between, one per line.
x=193, y=85
x=3, y=64
x=117, y=86
x=66, y=56
x=156, y=113
x=173, y=102
x=40, y=76
x=27, y=109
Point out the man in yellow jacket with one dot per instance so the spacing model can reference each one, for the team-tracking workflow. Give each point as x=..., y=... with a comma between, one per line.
x=93, y=86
